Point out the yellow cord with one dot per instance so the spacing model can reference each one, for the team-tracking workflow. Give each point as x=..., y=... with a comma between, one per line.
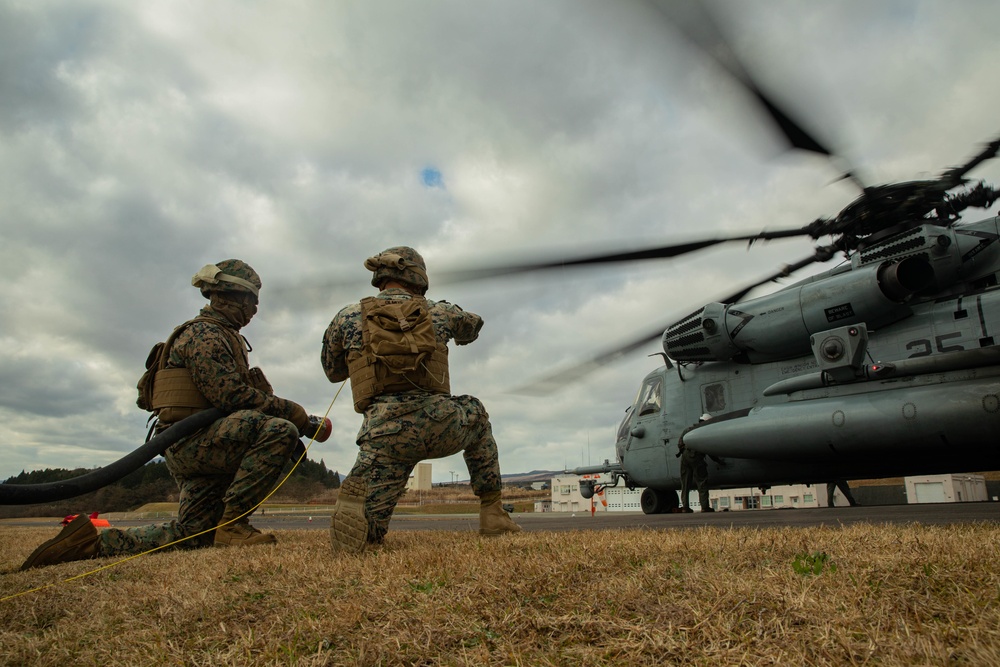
x=221, y=525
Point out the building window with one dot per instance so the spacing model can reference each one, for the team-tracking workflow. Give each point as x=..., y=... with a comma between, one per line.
x=766, y=501
x=565, y=489
x=778, y=500
x=808, y=498
x=724, y=502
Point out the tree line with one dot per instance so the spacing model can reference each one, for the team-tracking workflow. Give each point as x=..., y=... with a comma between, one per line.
x=152, y=483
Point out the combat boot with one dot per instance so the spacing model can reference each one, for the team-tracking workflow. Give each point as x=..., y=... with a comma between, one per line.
x=241, y=534
x=493, y=520
x=77, y=541
x=349, y=524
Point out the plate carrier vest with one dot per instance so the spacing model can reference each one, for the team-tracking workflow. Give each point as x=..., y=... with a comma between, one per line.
x=399, y=351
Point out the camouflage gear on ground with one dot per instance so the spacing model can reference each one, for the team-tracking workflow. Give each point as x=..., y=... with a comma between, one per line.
x=399, y=263
x=402, y=429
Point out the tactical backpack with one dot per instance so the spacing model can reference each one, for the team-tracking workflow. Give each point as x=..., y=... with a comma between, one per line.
x=400, y=351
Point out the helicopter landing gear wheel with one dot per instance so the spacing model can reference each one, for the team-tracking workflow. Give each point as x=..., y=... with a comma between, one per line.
x=657, y=502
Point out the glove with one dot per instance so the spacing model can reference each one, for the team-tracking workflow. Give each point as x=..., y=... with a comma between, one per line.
x=300, y=418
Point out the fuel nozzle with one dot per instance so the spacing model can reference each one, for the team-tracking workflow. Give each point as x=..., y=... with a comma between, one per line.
x=319, y=429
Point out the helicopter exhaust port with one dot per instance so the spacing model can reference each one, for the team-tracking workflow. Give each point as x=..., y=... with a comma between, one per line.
x=778, y=326
x=901, y=280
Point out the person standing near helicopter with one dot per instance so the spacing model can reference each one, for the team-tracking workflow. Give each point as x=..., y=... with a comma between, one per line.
x=694, y=473
x=393, y=347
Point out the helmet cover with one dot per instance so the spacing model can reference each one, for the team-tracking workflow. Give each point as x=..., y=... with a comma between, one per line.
x=229, y=275
x=400, y=263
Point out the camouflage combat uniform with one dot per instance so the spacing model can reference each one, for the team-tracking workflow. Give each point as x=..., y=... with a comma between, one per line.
x=694, y=474
x=694, y=471
x=224, y=470
x=235, y=462
x=401, y=429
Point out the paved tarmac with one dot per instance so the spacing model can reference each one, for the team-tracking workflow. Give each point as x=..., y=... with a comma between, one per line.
x=939, y=513
x=928, y=514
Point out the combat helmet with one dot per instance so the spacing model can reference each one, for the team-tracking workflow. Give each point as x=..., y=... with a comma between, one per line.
x=401, y=263
x=229, y=275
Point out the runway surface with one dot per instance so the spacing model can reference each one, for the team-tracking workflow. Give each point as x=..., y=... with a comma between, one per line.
x=937, y=513
x=942, y=513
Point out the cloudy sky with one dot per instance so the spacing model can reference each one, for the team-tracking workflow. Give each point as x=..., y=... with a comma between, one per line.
x=142, y=140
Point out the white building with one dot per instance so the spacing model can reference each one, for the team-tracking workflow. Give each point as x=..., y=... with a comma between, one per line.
x=777, y=497
x=566, y=497
x=420, y=480
x=946, y=489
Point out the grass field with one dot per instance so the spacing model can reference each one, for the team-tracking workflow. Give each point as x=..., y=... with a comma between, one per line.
x=857, y=595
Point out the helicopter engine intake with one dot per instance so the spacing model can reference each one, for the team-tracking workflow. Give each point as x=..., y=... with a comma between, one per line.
x=778, y=326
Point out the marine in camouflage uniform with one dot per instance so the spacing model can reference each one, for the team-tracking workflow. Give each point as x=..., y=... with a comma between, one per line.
x=410, y=416
x=694, y=474
x=225, y=470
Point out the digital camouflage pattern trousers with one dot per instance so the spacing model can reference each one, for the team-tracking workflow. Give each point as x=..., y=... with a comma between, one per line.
x=231, y=465
x=392, y=444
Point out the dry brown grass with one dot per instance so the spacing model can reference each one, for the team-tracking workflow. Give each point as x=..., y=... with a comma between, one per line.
x=909, y=595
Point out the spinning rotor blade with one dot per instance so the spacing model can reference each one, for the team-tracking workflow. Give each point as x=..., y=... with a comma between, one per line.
x=319, y=291
x=822, y=254
x=554, y=381
x=662, y=252
x=955, y=175
x=462, y=275
x=696, y=23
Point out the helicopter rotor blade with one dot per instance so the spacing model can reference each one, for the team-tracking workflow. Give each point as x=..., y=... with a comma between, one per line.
x=955, y=175
x=661, y=252
x=548, y=384
x=319, y=291
x=554, y=381
x=697, y=24
x=822, y=254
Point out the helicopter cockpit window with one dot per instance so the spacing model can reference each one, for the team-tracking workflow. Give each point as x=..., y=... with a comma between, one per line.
x=649, y=397
x=714, y=396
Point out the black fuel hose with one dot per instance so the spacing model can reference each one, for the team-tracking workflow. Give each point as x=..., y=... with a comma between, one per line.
x=29, y=494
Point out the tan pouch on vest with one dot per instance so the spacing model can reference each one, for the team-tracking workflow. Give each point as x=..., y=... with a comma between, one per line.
x=175, y=395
